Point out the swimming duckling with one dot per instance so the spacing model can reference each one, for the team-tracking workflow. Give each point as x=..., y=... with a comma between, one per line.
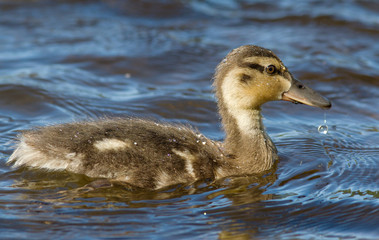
x=153, y=155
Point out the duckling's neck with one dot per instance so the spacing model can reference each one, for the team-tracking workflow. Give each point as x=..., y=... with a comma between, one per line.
x=248, y=146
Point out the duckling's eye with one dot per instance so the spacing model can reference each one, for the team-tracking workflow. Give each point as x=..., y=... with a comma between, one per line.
x=271, y=69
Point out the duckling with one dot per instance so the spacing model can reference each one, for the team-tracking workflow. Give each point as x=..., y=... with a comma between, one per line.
x=153, y=155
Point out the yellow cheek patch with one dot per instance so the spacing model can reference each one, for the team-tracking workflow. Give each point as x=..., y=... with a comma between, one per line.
x=245, y=88
x=267, y=89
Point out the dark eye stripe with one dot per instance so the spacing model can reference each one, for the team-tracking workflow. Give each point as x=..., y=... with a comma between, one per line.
x=253, y=66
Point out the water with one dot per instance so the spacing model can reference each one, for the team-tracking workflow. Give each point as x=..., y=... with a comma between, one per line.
x=63, y=61
x=324, y=127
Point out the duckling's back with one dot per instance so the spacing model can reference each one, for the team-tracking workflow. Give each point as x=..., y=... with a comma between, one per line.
x=142, y=153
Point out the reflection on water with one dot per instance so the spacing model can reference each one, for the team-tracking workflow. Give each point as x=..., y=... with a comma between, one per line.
x=63, y=61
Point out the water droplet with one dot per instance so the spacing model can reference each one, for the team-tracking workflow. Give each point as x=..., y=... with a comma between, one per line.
x=204, y=143
x=135, y=143
x=323, y=128
x=197, y=140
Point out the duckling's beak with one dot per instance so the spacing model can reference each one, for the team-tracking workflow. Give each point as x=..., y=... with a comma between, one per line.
x=300, y=93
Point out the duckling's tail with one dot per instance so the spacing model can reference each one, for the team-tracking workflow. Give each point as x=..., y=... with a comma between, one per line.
x=27, y=155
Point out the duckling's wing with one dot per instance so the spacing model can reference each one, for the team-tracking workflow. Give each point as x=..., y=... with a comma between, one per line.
x=140, y=152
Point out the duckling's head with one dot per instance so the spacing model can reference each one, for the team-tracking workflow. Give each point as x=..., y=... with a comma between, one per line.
x=250, y=76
